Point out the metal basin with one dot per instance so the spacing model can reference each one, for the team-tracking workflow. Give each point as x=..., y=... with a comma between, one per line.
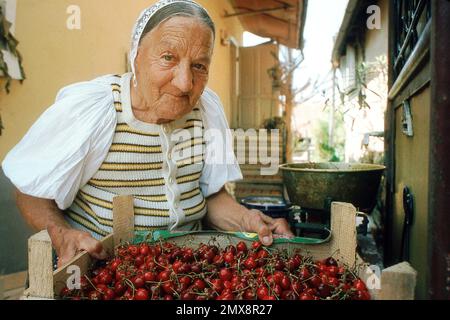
x=310, y=184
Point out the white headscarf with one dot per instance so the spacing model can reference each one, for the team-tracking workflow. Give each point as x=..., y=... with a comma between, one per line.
x=142, y=22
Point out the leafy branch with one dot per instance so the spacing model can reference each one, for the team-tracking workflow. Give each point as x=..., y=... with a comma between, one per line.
x=8, y=43
x=365, y=72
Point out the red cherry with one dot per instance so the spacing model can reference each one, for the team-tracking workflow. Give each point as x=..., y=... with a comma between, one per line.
x=185, y=280
x=324, y=290
x=250, y=263
x=362, y=295
x=315, y=281
x=144, y=249
x=199, y=284
x=241, y=247
x=149, y=276
x=141, y=294
x=306, y=296
x=138, y=282
x=256, y=245
x=119, y=288
x=115, y=264
x=227, y=297
x=359, y=285
x=225, y=274
x=168, y=287
x=163, y=275
x=228, y=284
x=304, y=274
x=217, y=285
x=105, y=279
x=249, y=295
x=139, y=260
x=285, y=283
x=334, y=282
x=133, y=250
x=188, y=255
x=262, y=292
x=228, y=257
x=332, y=271
x=279, y=265
x=109, y=294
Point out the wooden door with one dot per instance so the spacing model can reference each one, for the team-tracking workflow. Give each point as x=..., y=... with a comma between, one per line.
x=257, y=101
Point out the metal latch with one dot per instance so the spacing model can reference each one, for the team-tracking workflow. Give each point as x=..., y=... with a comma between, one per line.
x=407, y=124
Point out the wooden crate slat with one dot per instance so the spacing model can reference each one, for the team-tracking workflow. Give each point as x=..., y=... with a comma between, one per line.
x=398, y=282
x=40, y=265
x=123, y=219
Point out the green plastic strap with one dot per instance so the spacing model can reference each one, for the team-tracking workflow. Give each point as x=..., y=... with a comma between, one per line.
x=157, y=235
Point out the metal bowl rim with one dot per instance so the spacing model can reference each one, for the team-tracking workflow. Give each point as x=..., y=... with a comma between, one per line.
x=375, y=167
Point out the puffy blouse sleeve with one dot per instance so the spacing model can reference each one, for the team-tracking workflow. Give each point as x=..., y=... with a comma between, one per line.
x=221, y=165
x=67, y=144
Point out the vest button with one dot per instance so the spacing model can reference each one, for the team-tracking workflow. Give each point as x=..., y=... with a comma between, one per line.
x=166, y=129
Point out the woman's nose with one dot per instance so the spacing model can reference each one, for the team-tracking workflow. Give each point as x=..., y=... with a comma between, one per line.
x=183, y=78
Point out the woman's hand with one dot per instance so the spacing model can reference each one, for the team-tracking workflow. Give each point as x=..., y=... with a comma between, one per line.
x=266, y=227
x=44, y=214
x=224, y=213
x=69, y=242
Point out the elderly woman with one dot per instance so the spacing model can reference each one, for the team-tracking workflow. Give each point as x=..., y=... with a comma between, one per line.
x=140, y=134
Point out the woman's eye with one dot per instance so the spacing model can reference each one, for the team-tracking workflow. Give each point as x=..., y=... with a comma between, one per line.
x=200, y=67
x=168, y=57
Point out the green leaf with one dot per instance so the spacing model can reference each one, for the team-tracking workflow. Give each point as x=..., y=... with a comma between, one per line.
x=9, y=43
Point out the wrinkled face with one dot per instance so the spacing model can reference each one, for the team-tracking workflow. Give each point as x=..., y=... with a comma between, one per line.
x=172, y=66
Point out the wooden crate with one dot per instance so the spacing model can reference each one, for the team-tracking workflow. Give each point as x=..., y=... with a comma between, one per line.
x=397, y=282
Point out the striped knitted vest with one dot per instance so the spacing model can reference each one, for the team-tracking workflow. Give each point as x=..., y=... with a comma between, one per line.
x=160, y=166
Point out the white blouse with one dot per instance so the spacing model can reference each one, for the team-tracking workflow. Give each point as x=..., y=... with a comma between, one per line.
x=67, y=145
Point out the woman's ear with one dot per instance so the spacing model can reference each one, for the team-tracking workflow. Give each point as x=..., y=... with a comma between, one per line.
x=137, y=61
x=138, y=54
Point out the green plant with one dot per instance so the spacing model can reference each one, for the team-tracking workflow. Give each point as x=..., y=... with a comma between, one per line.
x=365, y=72
x=327, y=152
x=274, y=123
x=8, y=43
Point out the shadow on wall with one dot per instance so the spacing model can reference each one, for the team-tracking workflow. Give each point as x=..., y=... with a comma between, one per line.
x=14, y=232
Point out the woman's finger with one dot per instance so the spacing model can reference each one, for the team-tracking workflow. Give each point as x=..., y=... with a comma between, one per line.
x=281, y=227
x=66, y=255
x=265, y=234
x=93, y=247
x=266, y=218
x=259, y=226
